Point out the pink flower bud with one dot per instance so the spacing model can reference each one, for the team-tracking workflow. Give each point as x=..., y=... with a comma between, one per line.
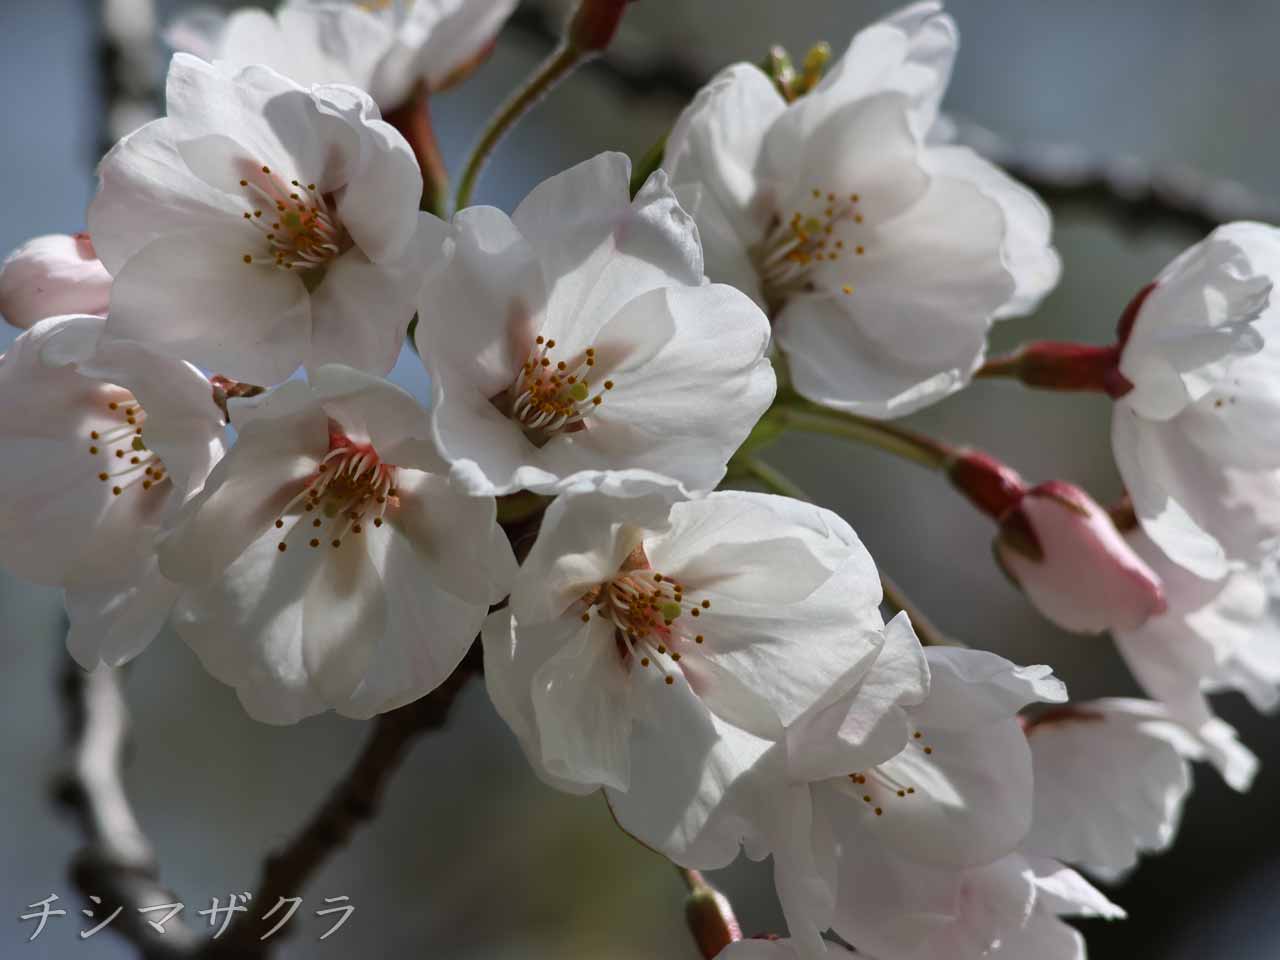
x=1064, y=552
x=51, y=276
x=594, y=24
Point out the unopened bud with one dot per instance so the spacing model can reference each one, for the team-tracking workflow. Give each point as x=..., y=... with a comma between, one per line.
x=594, y=24
x=1066, y=555
x=777, y=64
x=51, y=276
x=711, y=919
x=813, y=67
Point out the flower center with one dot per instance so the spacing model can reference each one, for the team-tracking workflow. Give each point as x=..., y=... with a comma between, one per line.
x=128, y=461
x=551, y=396
x=879, y=787
x=299, y=227
x=649, y=612
x=350, y=487
x=820, y=232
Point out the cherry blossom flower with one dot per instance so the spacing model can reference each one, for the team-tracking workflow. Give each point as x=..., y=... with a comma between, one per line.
x=1006, y=909
x=1217, y=635
x=1065, y=553
x=881, y=255
x=329, y=568
x=105, y=440
x=385, y=46
x=661, y=651
x=287, y=214
x=1196, y=436
x=943, y=784
x=56, y=275
x=1111, y=777
x=578, y=336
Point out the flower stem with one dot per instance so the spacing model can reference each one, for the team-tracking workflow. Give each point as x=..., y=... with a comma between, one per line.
x=934, y=454
x=549, y=73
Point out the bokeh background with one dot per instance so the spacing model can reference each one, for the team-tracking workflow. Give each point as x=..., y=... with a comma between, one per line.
x=471, y=856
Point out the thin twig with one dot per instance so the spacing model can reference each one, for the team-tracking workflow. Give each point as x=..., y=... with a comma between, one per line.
x=353, y=802
x=116, y=863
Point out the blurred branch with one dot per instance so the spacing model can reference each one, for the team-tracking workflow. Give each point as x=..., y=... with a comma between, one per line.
x=353, y=802
x=1130, y=191
x=116, y=863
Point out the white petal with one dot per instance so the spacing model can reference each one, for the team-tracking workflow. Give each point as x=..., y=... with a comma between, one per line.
x=583, y=540
x=971, y=688
x=894, y=343
x=716, y=144
x=454, y=537
x=254, y=320
x=599, y=249
x=910, y=51
x=249, y=487
x=581, y=703
x=344, y=617
x=1028, y=252
x=693, y=795
x=972, y=799
x=140, y=174
x=111, y=625
x=375, y=411
x=1199, y=317
x=869, y=724
x=379, y=204
x=690, y=381
x=1110, y=784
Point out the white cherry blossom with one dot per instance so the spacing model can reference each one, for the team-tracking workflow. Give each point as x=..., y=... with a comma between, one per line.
x=881, y=255
x=943, y=786
x=329, y=567
x=1111, y=777
x=1217, y=635
x=1008, y=909
x=105, y=440
x=664, y=651
x=385, y=46
x=577, y=336
x=1065, y=553
x=1197, y=438
x=51, y=276
x=287, y=214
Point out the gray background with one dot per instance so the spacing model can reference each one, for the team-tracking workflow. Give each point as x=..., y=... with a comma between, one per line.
x=471, y=858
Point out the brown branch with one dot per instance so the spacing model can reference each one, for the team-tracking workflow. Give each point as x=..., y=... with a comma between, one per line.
x=1134, y=194
x=116, y=863
x=353, y=802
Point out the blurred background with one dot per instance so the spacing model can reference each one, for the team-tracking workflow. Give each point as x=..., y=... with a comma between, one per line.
x=471, y=857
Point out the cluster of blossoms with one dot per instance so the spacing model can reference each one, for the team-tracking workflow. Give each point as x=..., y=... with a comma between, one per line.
x=603, y=362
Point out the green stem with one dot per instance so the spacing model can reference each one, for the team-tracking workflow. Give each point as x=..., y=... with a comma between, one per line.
x=802, y=415
x=549, y=73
